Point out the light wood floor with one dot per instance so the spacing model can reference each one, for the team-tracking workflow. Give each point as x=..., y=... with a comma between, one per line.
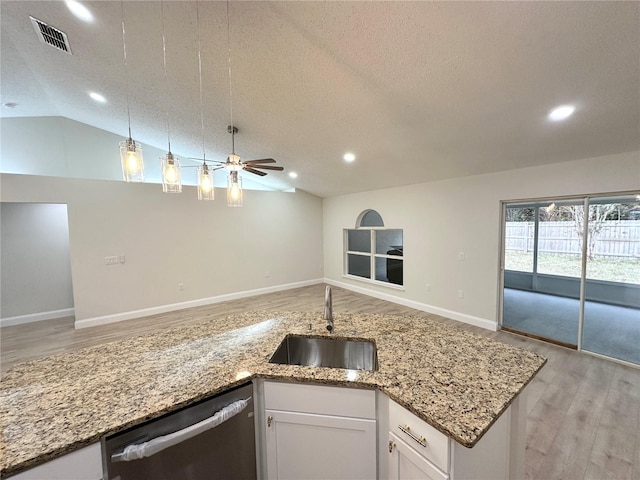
x=583, y=413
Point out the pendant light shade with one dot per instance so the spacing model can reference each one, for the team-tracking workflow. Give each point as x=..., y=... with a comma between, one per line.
x=205, y=183
x=132, y=161
x=170, y=165
x=234, y=190
x=130, y=151
x=171, y=175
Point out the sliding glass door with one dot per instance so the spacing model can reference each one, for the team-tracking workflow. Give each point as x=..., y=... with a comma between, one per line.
x=572, y=273
x=612, y=295
x=542, y=258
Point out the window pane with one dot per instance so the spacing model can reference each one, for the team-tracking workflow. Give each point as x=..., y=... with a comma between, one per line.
x=518, y=248
x=614, y=240
x=371, y=219
x=359, y=240
x=389, y=242
x=359, y=265
x=389, y=270
x=560, y=240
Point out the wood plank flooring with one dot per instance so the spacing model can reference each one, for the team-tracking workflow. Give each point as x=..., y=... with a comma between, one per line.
x=583, y=413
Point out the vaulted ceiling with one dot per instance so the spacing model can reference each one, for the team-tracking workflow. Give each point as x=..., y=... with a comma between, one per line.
x=418, y=91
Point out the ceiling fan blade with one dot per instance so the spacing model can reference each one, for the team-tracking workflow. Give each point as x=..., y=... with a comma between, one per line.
x=251, y=170
x=200, y=160
x=267, y=167
x=262, y=160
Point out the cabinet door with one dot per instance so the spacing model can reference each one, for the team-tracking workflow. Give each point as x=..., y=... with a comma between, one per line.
x=406, y=464
x=83, y=464
x=322, y=447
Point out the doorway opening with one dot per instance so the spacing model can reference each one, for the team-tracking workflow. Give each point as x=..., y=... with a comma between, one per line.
x=36, y=279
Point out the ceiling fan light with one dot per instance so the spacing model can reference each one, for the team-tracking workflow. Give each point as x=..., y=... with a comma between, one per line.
x=132, y=161
x=171, y=174
x=234, y=190
x=205, y=183
x=233, y=163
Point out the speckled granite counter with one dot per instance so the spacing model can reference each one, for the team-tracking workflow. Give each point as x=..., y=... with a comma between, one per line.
x=456, y=381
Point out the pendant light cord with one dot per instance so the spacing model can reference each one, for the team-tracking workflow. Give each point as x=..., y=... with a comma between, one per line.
x=126, y=69
x=233, y=144
x=200, y=73
x=164, y=62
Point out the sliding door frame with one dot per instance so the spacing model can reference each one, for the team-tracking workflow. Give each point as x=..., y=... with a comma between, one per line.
x=583, y=273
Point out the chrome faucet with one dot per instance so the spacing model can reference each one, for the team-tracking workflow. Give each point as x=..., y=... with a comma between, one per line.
x=328, y=309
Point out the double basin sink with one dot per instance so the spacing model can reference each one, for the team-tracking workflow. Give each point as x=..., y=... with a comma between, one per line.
x=327, y=352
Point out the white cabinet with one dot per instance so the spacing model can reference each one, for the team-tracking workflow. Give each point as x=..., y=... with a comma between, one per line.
x=416, y=450
x=83, y=464
x=407, y=464
x=419, y=435
x=319, y=432
x=322, y=432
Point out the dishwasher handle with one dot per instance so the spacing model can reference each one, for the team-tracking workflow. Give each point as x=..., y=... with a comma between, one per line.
x=146, y=449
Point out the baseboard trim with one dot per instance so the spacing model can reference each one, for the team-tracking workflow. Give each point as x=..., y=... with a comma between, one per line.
x=461, y=317
x=119, y=317
x=36, y=317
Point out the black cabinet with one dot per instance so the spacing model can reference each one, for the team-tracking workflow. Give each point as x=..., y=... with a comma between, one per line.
x=394, y=266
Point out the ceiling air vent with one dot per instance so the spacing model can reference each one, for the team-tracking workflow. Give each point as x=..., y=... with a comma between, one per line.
x=51, y=36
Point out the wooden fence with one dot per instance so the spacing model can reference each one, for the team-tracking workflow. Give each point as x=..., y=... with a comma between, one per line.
x=619, y=238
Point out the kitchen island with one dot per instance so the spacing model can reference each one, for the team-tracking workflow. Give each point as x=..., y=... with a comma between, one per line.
x=457, y=382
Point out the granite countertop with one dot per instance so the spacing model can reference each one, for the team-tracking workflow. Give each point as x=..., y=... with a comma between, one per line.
x=456, y=381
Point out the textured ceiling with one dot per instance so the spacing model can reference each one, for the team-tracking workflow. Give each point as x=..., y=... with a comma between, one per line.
x=419, y=91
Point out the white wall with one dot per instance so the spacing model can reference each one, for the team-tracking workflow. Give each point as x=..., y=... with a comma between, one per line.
x=60, y=147
x=168, y=239
x=36, y=266
x=441, y=219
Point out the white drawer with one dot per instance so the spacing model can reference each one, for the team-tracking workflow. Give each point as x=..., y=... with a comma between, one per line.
x=413, y=430
x=320, y=399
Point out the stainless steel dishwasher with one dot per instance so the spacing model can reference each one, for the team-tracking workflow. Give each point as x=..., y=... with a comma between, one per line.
x=213, y=439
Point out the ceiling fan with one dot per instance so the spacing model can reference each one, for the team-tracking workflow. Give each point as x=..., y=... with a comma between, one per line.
x=235, y=164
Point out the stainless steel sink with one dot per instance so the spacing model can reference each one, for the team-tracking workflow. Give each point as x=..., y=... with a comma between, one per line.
x=327, y=352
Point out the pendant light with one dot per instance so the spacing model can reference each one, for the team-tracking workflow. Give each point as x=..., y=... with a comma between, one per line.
x=234, y=181
x=206, y=190
x=170, y=164
x=130, y=150
x=234, y=190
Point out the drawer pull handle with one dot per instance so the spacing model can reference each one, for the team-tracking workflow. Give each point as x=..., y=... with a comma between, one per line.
x=406, y=429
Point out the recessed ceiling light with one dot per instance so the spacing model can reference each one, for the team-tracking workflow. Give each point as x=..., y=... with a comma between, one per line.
x=97, y=97
x=561, y=113
x=80, y=11
x=293, y=174
x=349, y=157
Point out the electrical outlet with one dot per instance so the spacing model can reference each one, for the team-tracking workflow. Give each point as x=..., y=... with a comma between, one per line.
x=461, y=256
x=427, y=287
x=267, y=274
x=460, y=293
x=110, y=260
x=121, y=259
x=181, y=286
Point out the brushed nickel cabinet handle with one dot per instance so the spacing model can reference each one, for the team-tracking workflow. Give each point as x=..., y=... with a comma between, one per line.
x=420, y=439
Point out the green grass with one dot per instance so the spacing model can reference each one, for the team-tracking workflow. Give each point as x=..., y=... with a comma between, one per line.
x=612, y=269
